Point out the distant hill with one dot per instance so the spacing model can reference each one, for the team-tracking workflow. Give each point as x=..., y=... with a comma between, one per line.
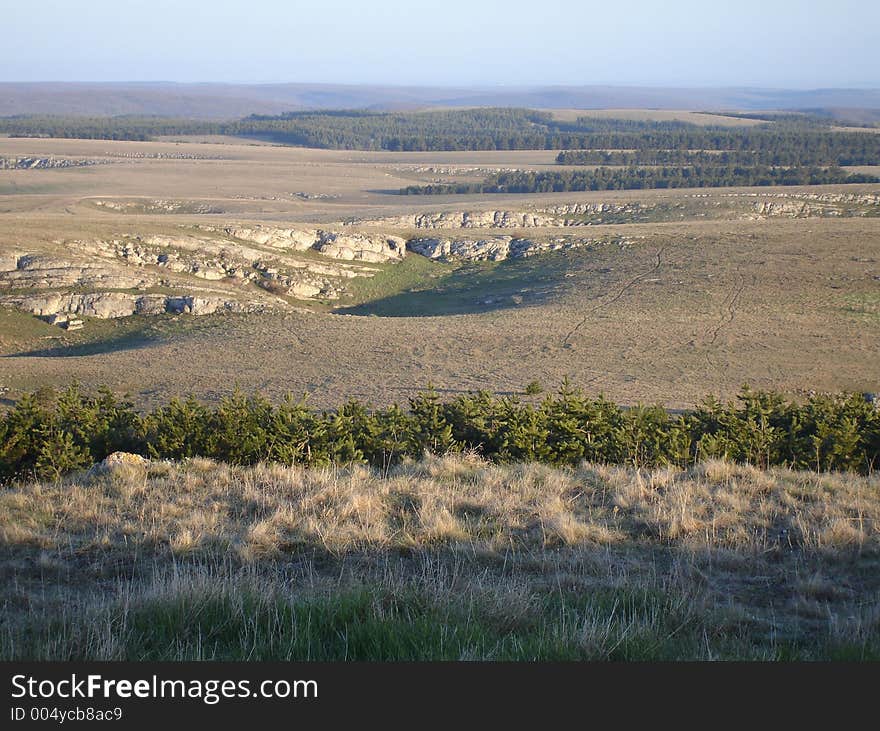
x=227, y=101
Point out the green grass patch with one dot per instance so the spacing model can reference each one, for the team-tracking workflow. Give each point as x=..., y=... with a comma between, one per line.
x=427, y=288
x=864, y=306
x=414, y=272
x=20, y=327
x=373, y=623
x=24, y=334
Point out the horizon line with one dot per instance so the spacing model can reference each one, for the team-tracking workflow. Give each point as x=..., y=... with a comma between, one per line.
x=453, y=85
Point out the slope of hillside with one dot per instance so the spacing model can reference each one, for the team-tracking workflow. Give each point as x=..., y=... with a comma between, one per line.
x=224, y=101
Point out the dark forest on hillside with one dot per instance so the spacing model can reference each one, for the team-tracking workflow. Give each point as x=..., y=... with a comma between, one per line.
x=793, y=139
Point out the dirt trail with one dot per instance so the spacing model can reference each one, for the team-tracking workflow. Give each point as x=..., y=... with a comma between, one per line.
x=728, y=309
x=623, y=290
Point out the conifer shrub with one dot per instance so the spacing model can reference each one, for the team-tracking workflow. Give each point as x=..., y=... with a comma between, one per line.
x=47, y=434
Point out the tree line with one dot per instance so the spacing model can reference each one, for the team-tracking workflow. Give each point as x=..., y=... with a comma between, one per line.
x=49, y=434
x=134, y=128
x=642, y=178
x=803, y=142
x=830, y=155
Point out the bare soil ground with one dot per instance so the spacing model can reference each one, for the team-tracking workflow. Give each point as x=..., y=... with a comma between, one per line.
x=688, y=307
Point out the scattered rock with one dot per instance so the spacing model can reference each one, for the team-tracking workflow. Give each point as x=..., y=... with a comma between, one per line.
x=494, y=249
x=498, y=248
x=362, y=247
x=157, y=206
x=108, y=305
x=9, y=261
x=45, y=163
x=281, y=238
x=121, y=459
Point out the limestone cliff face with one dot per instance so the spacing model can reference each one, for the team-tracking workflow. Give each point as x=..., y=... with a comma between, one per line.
x=361, y=247
x=816, y=205
x=369, y=247
x=244, y=267
x=569, y=212
x=498, y=248
x=45, y=163
x=106, y=305
x=584, y=213
x=463, y=219
x=236, y=268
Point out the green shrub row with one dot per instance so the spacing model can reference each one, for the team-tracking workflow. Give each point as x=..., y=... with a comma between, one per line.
x=48, y=434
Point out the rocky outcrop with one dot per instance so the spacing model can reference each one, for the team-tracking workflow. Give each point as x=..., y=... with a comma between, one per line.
x=570, y=214
x=578, y=214
x=107, y=305
x=494, y=249
x=216, y=260
x=244, y=269
x=9, y=261
x=368, y=247
x=231, y=269
x=151, y=304
x=118, y=462
x=45, y=163
x=30, y=271
x=96, y=304
x=362, y=247
x=300, y=285
x=120, y=459
x=462, y=219
x=279, y=238
x=191, y=305
x=585, y=213
x=156, y=206
x=794, y=209
x=497, y=248
x=140, y=155
x=816, y=205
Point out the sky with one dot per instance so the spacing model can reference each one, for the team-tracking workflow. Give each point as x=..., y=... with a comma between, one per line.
x=761, y=43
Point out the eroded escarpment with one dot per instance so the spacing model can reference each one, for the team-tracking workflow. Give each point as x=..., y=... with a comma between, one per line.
x=499, y=248
x=202, y=269
x=47, y=163
x=365, y=247
x=735, y=206
x=197, y=270
x=813, y=205
x=464, y=219
x=710, y=205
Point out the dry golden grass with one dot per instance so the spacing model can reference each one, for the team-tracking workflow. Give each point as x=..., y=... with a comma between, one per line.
x=200, y=507
x=450, y=557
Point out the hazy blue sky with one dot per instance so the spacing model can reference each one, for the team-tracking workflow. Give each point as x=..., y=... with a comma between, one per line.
x=770, y=43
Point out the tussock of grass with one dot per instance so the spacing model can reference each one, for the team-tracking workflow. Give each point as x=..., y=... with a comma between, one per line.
x=446, y=558
x=201, y=505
